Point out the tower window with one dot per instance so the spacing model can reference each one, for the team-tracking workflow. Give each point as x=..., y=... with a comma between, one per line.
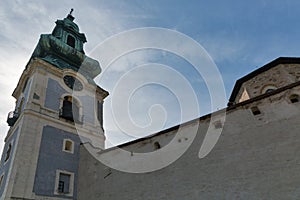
x=73, y=83
x=71, y=41
x=8, y=153
x=70, y=109
x=294, y=98
x=64, y=183
x=68, y=146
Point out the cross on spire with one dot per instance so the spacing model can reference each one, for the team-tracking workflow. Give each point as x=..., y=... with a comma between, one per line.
x=70, y=16
x=71, y=11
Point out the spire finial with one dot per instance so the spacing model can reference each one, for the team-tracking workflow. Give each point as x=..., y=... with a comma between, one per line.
x=71, y=11
x=70, y=16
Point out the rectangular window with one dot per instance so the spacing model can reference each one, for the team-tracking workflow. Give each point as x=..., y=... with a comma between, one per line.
x=64, y=183
x=68, y=146
x=255, y=110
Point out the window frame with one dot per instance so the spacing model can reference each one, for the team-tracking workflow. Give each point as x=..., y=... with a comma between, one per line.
x=64, y=146
x=71, y=183
x=255, y=110
x=74, y=100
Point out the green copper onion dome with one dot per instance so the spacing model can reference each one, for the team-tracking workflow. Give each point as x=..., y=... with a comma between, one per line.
x=63, y=48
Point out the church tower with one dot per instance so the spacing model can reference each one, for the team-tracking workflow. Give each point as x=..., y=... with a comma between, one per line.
x=58, y=107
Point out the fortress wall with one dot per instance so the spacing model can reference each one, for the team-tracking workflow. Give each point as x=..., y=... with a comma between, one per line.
x=256, y=157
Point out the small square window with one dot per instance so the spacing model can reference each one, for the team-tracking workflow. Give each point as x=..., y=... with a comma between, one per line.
x=68, y=146
x=255, y=110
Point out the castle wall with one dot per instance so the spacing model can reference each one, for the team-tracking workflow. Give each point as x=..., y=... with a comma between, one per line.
x=256, y=157
x=279, y=76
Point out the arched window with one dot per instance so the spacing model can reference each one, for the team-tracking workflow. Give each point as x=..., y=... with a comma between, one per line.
x=70, y=109
x=294, y=98
x=71, y=41
x=268, y=89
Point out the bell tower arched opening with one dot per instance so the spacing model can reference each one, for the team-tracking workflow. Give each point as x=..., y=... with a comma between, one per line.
x=71, y=41
x=70, y=109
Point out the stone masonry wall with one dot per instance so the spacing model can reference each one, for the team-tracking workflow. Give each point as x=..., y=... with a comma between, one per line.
x=277, y=77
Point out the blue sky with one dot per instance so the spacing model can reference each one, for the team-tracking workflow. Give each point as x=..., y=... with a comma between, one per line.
x=240, y=36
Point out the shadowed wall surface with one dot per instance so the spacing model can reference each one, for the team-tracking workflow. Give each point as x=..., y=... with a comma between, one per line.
x=256, y=157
